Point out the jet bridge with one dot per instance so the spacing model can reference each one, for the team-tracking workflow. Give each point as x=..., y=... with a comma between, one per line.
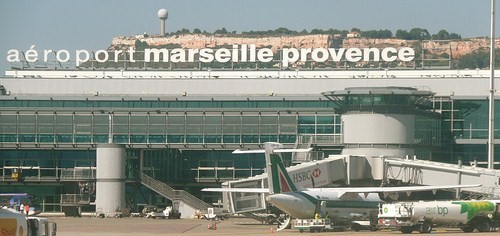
x=348, y=170
x=328, y=172
x=421, y=172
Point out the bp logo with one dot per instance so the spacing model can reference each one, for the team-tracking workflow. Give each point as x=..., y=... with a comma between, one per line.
x=386, y=210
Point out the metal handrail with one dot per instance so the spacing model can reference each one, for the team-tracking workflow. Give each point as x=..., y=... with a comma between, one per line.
x=172, y=194
x=80, y=199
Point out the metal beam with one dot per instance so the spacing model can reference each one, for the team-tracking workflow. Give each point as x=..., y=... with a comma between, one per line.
x=491, y=116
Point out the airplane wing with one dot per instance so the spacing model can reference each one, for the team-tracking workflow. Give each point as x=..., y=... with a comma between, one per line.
x=343, y=191
x=239, y=151
x=237, y=190
x=387, y=190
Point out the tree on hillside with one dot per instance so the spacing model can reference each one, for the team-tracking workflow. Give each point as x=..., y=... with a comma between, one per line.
x=477, y=59
x=403, y=34
x=284, y=31
x=441, y=35
x=414, y=34
x=221, y=31
x=455, y=36
x=355, y=30
x=419, y=34
x=376, y=34
x=444, y=35
x=140, y=45
x=317, y=31
x=182, y=31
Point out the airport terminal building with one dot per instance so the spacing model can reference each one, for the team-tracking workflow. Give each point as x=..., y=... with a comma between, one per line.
x=180, y=127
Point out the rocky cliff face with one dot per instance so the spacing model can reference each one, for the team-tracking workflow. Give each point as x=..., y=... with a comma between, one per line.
x=211, y=41
x=462, y=47
x=455, y=48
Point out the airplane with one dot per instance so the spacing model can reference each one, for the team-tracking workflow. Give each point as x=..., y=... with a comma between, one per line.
x=343, y=205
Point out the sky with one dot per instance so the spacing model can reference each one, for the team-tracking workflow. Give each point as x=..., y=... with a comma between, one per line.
x=92, y=24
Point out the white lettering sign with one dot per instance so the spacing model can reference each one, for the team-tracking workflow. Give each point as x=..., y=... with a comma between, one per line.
x=236, y=53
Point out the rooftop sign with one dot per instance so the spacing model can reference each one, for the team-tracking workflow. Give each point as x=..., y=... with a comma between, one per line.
x=236, y=53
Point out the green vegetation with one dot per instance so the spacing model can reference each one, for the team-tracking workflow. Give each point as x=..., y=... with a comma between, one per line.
x=413, y=34
x=444, y=35
x=478, y=59
x=140, y=45
x=376, y=34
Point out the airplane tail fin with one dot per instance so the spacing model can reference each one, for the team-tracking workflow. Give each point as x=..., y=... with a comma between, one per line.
x=279, y=180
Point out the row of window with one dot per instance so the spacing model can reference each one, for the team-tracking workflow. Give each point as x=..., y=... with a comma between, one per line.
x=465, y=118
x=68, y=126
x=166, y=104
x=148, y=139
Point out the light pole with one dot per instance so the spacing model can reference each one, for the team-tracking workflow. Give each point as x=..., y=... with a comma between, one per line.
x=491, y=115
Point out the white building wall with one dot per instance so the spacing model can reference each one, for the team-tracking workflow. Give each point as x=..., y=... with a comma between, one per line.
x=375, y=135
x=277, y=83
x=378, y=128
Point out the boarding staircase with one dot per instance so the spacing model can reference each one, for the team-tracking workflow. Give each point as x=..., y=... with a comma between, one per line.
x=302, y=142
x=172, y=194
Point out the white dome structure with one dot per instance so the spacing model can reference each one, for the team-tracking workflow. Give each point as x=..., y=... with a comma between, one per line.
x=163, y=15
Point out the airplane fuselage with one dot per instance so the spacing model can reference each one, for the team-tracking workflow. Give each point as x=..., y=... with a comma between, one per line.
x=305, y=204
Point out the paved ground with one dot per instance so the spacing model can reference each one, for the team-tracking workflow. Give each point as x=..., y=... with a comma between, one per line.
x=191, y=227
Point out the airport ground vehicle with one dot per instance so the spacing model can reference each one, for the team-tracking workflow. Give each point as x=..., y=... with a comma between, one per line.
x=407, y=217
x=315, y=225
x=167, y=213
x=215, y=214
x=358, y=225
x=326, y=224
x=15, y=223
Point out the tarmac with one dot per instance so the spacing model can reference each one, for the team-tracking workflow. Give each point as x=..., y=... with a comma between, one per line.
x=79, y=226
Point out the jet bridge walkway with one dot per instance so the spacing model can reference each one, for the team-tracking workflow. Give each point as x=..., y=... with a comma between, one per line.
x=344, y=170
x=421, y=172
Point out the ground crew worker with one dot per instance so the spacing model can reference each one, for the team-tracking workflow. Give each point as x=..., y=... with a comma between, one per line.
x=27, y=208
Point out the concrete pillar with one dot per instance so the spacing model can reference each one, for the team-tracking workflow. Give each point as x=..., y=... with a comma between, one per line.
x=372, y=134
x=110, y=186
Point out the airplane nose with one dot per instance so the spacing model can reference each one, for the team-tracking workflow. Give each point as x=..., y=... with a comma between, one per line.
x=294, y=205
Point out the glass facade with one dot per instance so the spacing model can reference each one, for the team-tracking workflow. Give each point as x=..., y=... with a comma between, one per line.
x=188, y=144
x=194, y=122
x=465, y=129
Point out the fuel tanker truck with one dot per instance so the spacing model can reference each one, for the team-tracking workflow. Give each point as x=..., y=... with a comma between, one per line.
x=469, y=215
x=13, y=223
